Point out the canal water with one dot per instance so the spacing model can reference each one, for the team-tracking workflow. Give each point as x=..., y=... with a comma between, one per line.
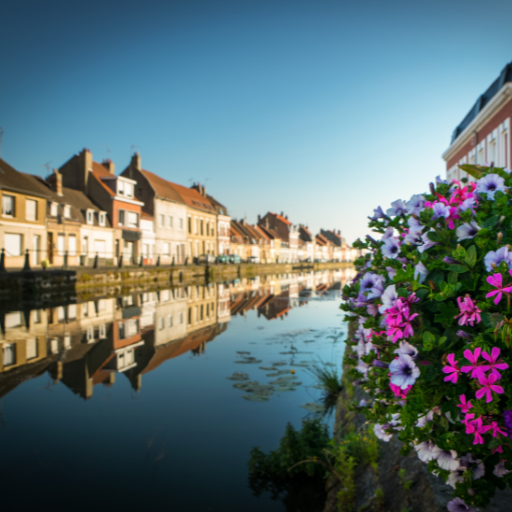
x=153, y=401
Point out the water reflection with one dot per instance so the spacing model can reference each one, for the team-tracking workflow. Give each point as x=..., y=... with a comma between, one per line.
x=95, y=342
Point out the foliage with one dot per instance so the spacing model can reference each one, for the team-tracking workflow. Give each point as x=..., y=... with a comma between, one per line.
x=434, y=321
x=330, y=382
x=294, y=448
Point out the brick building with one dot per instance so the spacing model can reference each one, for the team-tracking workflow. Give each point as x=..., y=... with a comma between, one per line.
x=483, y=136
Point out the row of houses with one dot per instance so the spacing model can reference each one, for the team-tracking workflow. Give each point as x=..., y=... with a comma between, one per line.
x=89, y=344
x=84, y=210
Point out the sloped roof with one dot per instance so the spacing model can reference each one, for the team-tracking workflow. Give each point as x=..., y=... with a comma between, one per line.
x=11, y=179
x=163, y=188
x=194, y=199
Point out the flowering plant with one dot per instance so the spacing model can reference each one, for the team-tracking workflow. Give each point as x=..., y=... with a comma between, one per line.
x=432, y=302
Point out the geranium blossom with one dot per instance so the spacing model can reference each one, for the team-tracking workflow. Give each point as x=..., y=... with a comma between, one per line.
x=469, y=312
x=476, y=369
x=465, y=405
x=452, y=369
x=496, y=280
x=488, y=387
x=495, y=363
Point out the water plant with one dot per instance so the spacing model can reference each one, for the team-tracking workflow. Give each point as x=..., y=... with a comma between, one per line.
x=329, y=380
x=432, y=306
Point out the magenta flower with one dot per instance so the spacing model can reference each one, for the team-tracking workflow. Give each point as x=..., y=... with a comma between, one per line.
x=464, y=405
x=496, y=430
x=477, y=428
x=497, y=281
x=488, y=387
x=476, y=369
x=468, y=421
x=452, y=368
x=469, y=312
x=495, y=364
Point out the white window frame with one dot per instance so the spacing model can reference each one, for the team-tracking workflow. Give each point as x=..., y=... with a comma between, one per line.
x=54, y=209
x=67, y=211
x=102, y=218
x=12, y=208
x=31, y=210
x=72, y=245
x=90, y=217
x=169, y=221
x=161, y=219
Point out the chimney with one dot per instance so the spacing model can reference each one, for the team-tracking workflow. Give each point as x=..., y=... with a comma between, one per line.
x=286, y=217
x=259, y=218
x=282, y=214
x=55, y=181
x=110, y=166
x=86, y=157
x=136, y=162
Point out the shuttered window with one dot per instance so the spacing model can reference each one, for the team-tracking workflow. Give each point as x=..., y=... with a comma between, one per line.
x=30, y=209
x=12, y=243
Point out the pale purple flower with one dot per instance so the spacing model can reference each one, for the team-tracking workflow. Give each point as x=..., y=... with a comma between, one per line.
x=467, y=231
x=468, y=204
x=388, y=233
x=378, y=214
x=380, y=364
x=404, y=371
x=372, y=285
x=427, y=243
x=416, y=204
x=456, y=476
x=390, y=248
x=420, y=272
x=446, y=459
x=500, y=470
x=407, y=348
x=490, y=184
x=423, y=420
x=439, y=180
x=413, y=237
x=426, y=450
x=363, y=403
x=381, y=433
x=388, y=298
x=464, y=335
x=391, y=272
x=496, y=257
x=414, y=224
x=476, y=466
x=458, y=505
x=398, y=207
x=440, y=210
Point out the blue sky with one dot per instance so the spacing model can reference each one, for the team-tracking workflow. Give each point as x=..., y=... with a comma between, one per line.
x=321, y=109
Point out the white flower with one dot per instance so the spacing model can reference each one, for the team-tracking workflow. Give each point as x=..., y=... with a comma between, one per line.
x=381, y=433
x=425, y=450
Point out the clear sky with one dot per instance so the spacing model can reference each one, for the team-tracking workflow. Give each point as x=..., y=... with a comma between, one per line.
x=321, y=109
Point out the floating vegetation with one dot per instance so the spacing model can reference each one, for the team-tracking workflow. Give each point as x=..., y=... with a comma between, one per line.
x=255, y=387
x=256, y=398
x=279, y=364
x=249, y=360
x=284, y=389
x=279, y=372
x=242, y=352
x=267, y=368
x=313, y=407
x=239, y=376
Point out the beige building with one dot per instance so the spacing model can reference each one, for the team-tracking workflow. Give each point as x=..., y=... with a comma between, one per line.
x=23, y=220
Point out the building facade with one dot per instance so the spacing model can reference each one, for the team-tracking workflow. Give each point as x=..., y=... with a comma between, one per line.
x=483, y=136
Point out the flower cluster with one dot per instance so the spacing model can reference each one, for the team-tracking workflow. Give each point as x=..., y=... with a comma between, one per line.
x=432, y=313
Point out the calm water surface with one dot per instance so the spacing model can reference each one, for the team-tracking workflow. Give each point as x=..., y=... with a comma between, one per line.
x=124, y=403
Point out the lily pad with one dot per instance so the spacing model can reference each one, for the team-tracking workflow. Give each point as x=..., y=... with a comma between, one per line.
x=256, y=398
x=279, y=364
x=284, y=389
x=317, y=408
x=242, y=352
x=239, y=376
x=249, y=360
x=267, y=368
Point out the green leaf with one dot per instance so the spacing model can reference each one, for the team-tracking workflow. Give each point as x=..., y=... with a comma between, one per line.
x=433, y=236
x=491, y=222
x=431, y=372
x=428, y=341
x=460, y=269
x=473, y=170
x=448, y=312
x=452, y=277
x=471, y=256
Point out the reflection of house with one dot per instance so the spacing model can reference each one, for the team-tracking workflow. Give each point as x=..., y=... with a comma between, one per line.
x=22, y=225
x=201, y=306
x=306, y=244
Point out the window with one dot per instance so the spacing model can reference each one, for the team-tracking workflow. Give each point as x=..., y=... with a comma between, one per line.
x=180, y=317
x=102, y=219
x=207, y=228
x=128, y=328
x=8, y=206
x=128, y=190
x=12, y=244
x=120, y=188
x=167, y=249
x=121, y=217
x=85, y=309
x=31, y=209
x=72, y=311
x=202, y=233
x=190, y=224
x=181, y=223
x=100, y=247
x=61, y=314
x=61, y=245
x=90, y=217
x=196, y=222
x=9, y=354
x=67, y=211
x=161, y=221
x=31, y=348
x=67, y=341
x=169, y=320
x=54, y=346
x=133, y=220
x=13, y=320
x=72, y=245
x=102, y=333
x=169, y=220
x=54, y=209
x=161, y=323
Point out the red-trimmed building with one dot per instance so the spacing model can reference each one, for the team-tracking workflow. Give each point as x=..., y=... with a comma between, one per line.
x=113, y=194
x=288, y=233
x=483, y=136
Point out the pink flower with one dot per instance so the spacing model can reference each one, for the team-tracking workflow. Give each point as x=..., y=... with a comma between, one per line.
x=398, y=319
x=469, y=312
x=499, y=449
x=464, y=405
x=495, y=364
x=477, y=428
x=488, y=387
x=398, y=391
x=468, y=421
x=452, y=368
x=497, y=281
x=496, y=430
x=475, y=369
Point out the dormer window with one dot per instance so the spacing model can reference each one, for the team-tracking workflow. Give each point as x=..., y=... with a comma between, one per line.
x=102, y=218
x=54, y=209
x=67, y=211
x=120, y=187
x=90, y=217
x=128, y=190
